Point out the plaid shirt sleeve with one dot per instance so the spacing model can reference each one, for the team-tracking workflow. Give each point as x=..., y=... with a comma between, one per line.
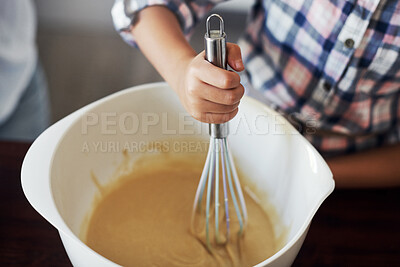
x=331, y=66
x=188, y=13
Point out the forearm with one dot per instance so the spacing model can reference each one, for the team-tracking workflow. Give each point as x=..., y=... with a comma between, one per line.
x=378, y=167
x=209, y=93
x=160, y=38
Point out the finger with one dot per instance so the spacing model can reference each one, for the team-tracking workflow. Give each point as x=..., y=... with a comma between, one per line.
x=216, y=95
x=216, y=117
x=234, y=57
x=206, y=106
x=213, y=75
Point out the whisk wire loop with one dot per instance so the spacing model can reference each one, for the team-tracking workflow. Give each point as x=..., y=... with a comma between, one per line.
x=216, y=147
x=202, y=183
x=224, y=174
x=208, y=200
x=238, y=188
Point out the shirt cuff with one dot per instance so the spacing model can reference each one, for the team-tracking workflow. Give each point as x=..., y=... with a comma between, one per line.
x=187, y=12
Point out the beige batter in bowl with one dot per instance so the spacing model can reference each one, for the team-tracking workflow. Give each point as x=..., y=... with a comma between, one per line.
x=287, y=171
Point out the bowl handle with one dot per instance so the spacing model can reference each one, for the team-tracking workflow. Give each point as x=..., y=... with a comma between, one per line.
x=35, y=171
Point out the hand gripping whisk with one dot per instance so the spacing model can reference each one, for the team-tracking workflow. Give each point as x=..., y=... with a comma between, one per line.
x=219, y=212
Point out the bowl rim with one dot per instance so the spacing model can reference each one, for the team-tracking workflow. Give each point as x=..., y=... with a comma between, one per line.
x=52, y=137
x=304, y=228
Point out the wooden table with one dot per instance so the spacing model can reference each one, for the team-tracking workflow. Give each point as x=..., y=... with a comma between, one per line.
x=352, y=228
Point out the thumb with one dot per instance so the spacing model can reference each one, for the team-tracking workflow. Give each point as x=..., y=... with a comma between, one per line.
x=234, y=57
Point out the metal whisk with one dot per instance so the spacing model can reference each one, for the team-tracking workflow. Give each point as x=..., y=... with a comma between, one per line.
x=208, y=217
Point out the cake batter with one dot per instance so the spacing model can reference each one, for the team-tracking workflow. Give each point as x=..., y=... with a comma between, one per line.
x=144, y=220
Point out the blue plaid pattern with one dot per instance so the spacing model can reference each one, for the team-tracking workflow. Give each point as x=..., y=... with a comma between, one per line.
x=332, y=64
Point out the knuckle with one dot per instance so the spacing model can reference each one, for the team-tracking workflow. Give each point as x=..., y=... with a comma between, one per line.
x=236, y=95
x=191, y=90
x=241, y=91
x=193, y=69
x=227, y=81
x=214, y=118
x=234, y=113
x=209, y=118
x=224, y=118
x=230, y=98
x=234, y=107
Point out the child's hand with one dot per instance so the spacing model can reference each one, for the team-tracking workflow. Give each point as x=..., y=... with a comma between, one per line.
x=211, y=94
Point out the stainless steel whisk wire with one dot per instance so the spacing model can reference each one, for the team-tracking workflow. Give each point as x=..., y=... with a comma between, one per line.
x=219, y=155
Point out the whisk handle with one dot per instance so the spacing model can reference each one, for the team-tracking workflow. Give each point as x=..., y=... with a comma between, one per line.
x=215, y=50
x=215, y=43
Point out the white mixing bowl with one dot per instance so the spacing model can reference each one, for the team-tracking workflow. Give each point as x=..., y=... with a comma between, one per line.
x=56, y=174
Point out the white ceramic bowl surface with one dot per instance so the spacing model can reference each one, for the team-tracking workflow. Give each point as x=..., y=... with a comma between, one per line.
x=56, y=174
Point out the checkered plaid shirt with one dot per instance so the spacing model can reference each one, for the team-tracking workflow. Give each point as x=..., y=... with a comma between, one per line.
x=332, y=66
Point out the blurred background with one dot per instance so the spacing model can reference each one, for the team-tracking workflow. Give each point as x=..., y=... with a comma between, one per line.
x=85, y=59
